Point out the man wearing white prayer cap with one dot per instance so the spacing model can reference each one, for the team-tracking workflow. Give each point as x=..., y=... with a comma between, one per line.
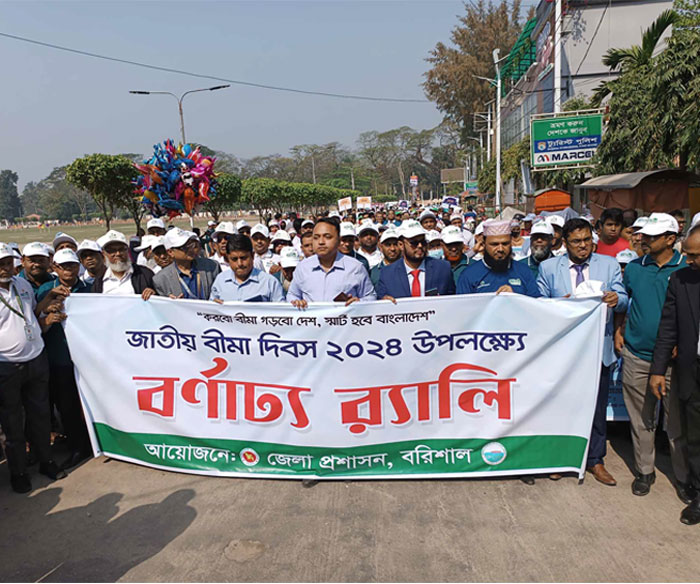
x=497, y=271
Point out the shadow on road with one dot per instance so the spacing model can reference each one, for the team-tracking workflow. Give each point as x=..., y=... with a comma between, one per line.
x=621, y=443
x=90, y=543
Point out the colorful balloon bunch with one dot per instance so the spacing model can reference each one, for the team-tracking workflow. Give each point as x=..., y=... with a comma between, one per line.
x=175, y=179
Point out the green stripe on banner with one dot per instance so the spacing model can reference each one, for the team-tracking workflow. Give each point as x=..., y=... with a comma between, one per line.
x=438, y=456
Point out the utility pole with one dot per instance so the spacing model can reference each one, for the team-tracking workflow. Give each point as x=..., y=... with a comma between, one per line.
x=488, y=135
x=557, y=55
x=313, y=168
x=352, y=178
x=496, y=53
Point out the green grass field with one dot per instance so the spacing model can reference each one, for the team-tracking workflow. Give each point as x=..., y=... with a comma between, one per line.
x=80, y=232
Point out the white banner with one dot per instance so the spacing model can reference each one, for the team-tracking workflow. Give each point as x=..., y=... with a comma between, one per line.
x=451, y=386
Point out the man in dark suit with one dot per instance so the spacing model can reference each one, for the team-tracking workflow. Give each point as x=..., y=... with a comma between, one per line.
x=678, y=331
x=189, y=276
x=416, y=274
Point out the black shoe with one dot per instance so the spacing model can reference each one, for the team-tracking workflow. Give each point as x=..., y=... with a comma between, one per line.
x=686, y=493
x=76, y=457
x=21, y=483
x=691, y=514
x=528, y=479
x=51, y=470
x=642, y=484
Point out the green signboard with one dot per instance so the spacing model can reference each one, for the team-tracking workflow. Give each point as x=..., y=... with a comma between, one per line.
x=565, y=140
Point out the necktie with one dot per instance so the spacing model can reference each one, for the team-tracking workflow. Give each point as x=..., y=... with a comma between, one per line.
x=579, y=273
x=415, y=286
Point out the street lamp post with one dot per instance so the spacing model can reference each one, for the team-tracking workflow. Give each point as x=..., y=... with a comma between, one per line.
x=179, y=102
x=496, y=52
x=182, y=117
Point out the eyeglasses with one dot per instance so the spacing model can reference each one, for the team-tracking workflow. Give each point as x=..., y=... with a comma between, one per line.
x=417, y=242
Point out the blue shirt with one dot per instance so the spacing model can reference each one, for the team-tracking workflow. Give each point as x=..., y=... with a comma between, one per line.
x=191, y=284
x=313, y=284
x=477, y=277
x=646, y=285
x=259, y=287
x=54, y=337
x=35, y=287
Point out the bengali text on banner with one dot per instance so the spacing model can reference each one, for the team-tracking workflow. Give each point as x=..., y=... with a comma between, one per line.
x=453, y=386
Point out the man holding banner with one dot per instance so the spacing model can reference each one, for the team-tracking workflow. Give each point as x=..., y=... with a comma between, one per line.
x=564, y=276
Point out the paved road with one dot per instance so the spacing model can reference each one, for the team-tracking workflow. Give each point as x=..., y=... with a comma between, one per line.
x=115, y=521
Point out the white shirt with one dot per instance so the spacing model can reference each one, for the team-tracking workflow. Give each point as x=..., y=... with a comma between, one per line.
x=221, y=260
x=375, y=258
x=14, y=345
x=147, y=263
x=421, y=276
x=118, y=286
x=573, y=274
x=559, y=252
x=266, y=261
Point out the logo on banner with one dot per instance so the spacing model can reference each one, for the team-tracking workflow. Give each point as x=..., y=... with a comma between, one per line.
x=493, y=453
x=249, y=457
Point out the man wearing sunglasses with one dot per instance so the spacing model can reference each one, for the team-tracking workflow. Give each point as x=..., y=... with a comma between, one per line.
x=189, y=275
x=417, y=274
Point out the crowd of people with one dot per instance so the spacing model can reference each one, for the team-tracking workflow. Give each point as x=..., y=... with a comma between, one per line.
x=645, y=269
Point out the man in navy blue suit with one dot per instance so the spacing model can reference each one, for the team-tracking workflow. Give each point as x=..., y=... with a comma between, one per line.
x=416, y=274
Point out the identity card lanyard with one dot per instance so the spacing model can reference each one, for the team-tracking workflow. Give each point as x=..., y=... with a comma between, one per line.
x=27, y=329
x=187, y=290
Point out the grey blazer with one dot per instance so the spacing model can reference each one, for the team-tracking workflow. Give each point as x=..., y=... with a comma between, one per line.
x=167, y=282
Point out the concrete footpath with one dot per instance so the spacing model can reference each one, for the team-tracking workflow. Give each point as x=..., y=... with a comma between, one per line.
x=115, y=521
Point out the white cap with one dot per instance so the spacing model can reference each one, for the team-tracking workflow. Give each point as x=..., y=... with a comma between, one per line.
x=289, y=257
x=225, y=227
x=160, y=240
x=367, y=225
x=426, y=214
x=452, y=234
x=36, y=248
x=389, y=234
x=347, y=229
x=6, y=251
x=640, y=222
x=530, y=217
x=555, y=220
x=62, y=238
x=211, y=223
x=456, y=216
x=542, y=227
x=112, y=236
x=306, y=222
x=66, y=256
x=146, y=242
x=261, y=229
x=411, y=228
x=479, y=229
x=89, y=245
x=242, y=224
x=432, y=235
x=695, y=220
x=155, y=222
x=177, y=237
x=281, y=235
x=659, y=223
x=274, y=222
x=626, y=256
x=334, y=214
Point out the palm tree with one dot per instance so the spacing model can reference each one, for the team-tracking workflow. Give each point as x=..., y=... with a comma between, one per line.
x=636, y=56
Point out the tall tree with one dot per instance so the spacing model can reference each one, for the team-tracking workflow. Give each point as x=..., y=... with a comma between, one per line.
x=108, y=178
x=228, y=193
x=450, y=82
x=10, y=204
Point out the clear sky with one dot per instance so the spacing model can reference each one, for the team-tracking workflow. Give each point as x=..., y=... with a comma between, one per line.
x=57, y=106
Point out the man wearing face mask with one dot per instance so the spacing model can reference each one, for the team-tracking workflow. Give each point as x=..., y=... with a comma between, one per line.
x=391, y=251
x=541, y=235
x=497, y=272
x=432, y=236
x=453, y=250
x=418, y=274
